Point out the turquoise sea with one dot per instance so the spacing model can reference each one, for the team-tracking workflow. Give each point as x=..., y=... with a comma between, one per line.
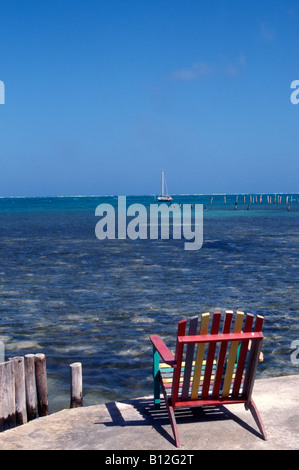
x=74, y=297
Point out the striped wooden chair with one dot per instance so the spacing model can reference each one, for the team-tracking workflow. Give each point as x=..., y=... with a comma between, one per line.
x=215, y=366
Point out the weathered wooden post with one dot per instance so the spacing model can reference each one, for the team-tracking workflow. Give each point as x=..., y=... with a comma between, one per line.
x=20, y=391
x=41, y=384
x=76, y=385
x=7, y=396
x=30, y=385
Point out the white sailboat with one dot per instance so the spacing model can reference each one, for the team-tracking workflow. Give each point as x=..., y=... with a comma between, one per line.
x=164, y=197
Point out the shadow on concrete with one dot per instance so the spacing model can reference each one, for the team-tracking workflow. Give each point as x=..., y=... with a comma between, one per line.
x=158, y=419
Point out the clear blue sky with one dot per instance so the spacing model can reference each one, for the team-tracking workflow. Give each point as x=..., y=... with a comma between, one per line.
x=100, y=95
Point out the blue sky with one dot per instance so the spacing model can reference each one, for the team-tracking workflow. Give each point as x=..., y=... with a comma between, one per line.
x=100, y=96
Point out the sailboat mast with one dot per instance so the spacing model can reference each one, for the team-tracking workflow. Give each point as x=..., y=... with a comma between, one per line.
x=164, y=197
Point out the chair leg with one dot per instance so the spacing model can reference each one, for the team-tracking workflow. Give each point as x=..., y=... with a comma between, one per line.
x=171, y=415
x=170, y=411
x=257, y=418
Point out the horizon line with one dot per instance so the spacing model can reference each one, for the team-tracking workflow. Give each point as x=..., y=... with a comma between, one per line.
x=151, y=195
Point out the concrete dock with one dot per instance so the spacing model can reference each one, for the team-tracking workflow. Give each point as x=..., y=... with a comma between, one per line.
x=135, y=425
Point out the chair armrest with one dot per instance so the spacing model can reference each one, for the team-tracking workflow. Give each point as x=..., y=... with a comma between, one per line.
x=163, y=350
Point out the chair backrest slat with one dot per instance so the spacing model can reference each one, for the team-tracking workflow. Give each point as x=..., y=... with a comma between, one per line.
x=253, y=360
x=232, y=356
x=210, y=356
x=242, y=355
x=204, y=325
x=189, y=359
x=178, y=358
x=222, y=354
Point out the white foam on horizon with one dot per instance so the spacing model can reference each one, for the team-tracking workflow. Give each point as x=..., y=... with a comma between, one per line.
x=151, y=195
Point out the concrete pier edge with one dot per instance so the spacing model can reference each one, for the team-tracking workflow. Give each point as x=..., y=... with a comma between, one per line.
x=135, y=425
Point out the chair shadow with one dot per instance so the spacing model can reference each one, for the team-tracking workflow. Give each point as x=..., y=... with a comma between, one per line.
x=158, y=418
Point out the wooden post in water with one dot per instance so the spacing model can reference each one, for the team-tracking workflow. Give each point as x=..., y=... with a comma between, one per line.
x=20, y=391
x=41, y=384
x=7, y=396
x=30, y=385
x=76, y=385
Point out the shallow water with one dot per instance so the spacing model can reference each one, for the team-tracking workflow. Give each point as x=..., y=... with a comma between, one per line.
x=76, y=298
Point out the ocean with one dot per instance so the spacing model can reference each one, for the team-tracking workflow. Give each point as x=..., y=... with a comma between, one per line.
x=65, y=293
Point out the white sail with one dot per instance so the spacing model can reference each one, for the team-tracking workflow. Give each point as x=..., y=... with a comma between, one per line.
x=164, y=197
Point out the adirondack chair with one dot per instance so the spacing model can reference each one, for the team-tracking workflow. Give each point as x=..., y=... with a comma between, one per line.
x=215, y=367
